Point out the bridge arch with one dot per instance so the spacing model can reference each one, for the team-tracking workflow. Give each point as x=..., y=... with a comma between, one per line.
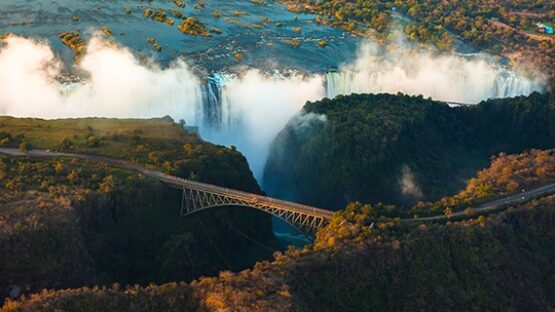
x=195, y=200
x=307, y=232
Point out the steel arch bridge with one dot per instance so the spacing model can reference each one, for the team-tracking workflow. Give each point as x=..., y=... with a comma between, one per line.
x=305, y=218
x=199, y=196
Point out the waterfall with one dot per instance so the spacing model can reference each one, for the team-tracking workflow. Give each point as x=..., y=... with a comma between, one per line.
x=508, y=84
x=67, y=88
x=221, y=113
x=218, y=113
x=249, y=110
x=341, y=83
x=463, y=88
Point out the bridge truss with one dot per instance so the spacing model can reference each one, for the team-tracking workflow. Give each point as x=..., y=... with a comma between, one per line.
x=305, y=220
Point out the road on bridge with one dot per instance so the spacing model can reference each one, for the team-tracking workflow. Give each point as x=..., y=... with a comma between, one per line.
x=327, y=214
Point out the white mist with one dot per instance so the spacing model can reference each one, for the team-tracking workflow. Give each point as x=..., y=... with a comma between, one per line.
x=256, y=106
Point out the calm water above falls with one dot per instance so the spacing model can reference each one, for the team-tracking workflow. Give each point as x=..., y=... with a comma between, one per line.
x=262, y=47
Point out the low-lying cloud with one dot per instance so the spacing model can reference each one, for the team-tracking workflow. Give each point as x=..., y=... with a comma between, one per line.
x=407, y=183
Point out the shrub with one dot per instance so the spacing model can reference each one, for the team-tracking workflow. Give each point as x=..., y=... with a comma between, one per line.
x=67, y=144
x=93, y=141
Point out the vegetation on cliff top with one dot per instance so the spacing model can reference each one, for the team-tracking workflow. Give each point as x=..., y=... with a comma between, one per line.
x=500, y=262
x=157, y=142
x=70, y=223
x=507, y=174
x=399, y=149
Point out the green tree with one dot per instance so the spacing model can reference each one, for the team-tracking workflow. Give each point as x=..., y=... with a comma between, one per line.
x=448, y=212
x=107, y=184
x=73, y=176
x=4, y=142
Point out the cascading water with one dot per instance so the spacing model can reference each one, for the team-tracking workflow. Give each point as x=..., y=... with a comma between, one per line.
x=508, y=84
x=246, y=110
x=218, y=113
x=500, y=83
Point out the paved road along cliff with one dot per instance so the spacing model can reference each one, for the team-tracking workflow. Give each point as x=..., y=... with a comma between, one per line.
x=327, y=214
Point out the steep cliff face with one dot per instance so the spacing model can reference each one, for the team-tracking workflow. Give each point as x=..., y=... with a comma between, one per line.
x=69, y=223
x=398, y=149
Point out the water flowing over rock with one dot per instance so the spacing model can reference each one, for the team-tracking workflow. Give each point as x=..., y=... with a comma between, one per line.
x=220, y=113
x=251, y=122
x=461, y=88
x=217, y=112
x=225, y=114
x=247, y=107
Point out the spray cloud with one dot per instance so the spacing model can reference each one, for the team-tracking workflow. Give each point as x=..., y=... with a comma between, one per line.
x=446, y=77
x=118, y=85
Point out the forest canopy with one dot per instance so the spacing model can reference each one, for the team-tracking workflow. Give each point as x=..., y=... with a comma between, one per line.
x=68, y=222
x=359, y=260
x=399, y=148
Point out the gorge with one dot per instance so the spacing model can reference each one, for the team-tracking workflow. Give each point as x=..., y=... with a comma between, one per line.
x=277, y=155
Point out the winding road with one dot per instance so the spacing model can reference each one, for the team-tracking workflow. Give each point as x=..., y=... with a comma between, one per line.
x=254, y=200
x=323, y=213
x=493, y=205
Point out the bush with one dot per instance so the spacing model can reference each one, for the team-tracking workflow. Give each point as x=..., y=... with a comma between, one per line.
x=4, y=142
x=193, y=27
x=93, y=141
x=67, y=144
